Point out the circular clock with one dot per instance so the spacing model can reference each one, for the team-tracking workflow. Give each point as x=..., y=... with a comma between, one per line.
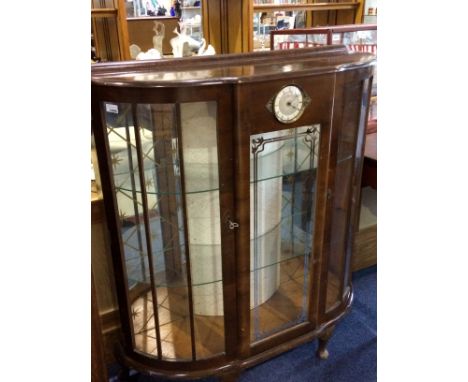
x=289, y=104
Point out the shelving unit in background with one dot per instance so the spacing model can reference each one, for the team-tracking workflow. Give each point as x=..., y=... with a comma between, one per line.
x=192, y=17
x=303, y=13
x=109, y=30
x=369, y=15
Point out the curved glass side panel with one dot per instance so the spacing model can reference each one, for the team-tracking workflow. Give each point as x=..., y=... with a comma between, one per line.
x=165, y=174
x=283, y=170
x=355, y=101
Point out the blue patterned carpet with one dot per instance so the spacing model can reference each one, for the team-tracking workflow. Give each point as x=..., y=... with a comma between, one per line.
x=352, y=348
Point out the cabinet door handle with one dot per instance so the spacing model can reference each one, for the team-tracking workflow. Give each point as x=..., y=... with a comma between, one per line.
x=232, y=225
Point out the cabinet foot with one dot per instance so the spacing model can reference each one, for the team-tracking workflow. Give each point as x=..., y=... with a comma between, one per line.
x=322, y=351
x=323, y=354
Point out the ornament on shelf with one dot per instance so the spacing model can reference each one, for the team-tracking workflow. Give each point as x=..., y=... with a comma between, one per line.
x=151, y=54
x=183, y=45
x=206, y=51
x=134, y=51
x=159, y=32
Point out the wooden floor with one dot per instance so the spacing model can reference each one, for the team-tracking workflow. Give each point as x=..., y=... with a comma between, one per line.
x=285, y=308
x=174, y=324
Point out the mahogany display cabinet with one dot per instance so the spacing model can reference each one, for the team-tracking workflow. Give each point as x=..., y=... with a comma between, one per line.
x=230, y=185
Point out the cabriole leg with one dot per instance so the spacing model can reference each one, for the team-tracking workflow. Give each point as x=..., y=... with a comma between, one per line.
x=322, y=351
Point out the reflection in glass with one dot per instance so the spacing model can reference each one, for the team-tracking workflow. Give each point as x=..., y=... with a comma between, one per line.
x=200, y=151
x=283, y=181
x=356, y=99
x=296, y=40
x=265, y=22
x=152, y=206
x=357, y=41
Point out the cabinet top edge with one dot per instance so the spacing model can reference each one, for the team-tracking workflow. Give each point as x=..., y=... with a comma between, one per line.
x=228, y=68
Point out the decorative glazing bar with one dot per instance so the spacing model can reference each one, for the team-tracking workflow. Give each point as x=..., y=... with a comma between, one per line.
x=147, y=229
x=186, y=230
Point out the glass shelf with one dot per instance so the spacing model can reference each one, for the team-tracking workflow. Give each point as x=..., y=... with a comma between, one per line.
x=174, y=283
x=200, y=178
x=207, y=189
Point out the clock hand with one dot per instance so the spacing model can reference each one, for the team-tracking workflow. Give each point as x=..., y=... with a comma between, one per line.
x=291, y=104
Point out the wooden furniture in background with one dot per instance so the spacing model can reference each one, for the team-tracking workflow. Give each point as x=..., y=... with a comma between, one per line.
x=369, y=176
x=227, y=25
x=369, y=12
x=315, y=14
x=318, y=12
x=231, y=232
x=109, y=30
x=327, y=35
x=365, y=244
x=140, y=32
x=365, y=248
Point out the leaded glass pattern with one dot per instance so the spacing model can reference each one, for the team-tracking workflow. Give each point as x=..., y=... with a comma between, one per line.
x=283, y=186
x=171, y=302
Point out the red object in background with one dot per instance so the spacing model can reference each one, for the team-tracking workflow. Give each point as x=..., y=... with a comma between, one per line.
x=371, y=126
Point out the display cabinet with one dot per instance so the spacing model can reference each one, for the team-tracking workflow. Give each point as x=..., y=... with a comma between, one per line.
x=148, y=19
x=109, y=35
x=272, y=15
x=370, y=12
x=356, y=37
x=142, y=32
x=192, y=16
x=230, y=186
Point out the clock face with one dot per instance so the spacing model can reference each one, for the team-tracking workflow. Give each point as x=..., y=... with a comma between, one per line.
x=289, y=104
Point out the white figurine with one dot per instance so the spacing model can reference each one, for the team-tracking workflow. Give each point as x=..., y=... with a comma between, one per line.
x=183, y=44
x=151, y=54
x=134, y=51
x=203, y=51
x=159, y=29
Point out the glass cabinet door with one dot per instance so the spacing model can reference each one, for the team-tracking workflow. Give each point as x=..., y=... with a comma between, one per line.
x=283, y=173
x=269, y=19
x=164, y=160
